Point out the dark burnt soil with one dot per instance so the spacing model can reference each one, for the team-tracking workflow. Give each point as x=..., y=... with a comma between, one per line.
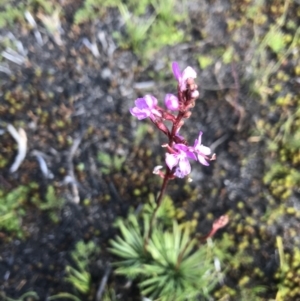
x=63, y=94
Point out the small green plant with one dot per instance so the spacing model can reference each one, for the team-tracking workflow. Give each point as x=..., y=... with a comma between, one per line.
x=12, y=209
x=79, y=276
x=136, y=29
x=12, y=11
x=275, y=40
x=145, y=33
x=51, y=204
x=109, y=295
x=80, y=279
x=169, y=267
x=92, y=9
x=51, y=200
x=110, y=163
x=130, y=247
x=166, y=213
x=178, y=271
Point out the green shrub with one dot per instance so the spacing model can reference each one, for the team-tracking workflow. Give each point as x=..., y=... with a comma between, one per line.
x=170, y=266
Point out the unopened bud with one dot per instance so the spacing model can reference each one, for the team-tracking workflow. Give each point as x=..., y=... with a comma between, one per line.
x=191, y=84
x=190, y=81
x=162, y=127
x=195, y=94
x=190, y=104
x=187, y=114
x=221, y=222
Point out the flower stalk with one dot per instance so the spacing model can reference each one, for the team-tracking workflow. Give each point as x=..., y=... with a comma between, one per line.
x=179, y=153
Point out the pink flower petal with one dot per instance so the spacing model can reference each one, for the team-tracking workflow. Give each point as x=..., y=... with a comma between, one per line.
x=140, y=103
x=195, y=94
x=204, y=150
x=150, y=100
x=176, y=70
x=171, y=102
x=188, y=72
x=139, y=114
x=184, y=166
x=199, y=138
x=171, y=160
x=202, y=160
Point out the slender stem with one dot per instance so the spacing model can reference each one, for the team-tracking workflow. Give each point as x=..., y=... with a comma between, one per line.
x=161, y=194
x=158, y=204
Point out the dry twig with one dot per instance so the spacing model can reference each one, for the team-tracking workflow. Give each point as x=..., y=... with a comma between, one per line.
x=21, y=139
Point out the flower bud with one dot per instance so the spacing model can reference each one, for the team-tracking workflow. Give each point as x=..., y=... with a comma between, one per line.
x=187, y=114
x=171, y=102
x=195, y=94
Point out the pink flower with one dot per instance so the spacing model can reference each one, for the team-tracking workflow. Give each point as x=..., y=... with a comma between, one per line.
x=180, y=159
x=202, y=152
x=145, y=107
x=171, y=102
x=188, y=72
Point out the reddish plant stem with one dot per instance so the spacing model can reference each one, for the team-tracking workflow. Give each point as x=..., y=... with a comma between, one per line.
x=167, y=177
x=218, y=224
x=158, y=204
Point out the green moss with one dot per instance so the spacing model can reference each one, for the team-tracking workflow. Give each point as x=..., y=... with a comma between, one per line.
x=145, y=33
x=12, y=12
x=12, y=209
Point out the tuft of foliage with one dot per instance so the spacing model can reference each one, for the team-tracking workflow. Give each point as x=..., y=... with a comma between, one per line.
x=12, y=209
x=12, y=206
x=178, y=270
x=169, y=267
x=92, y=9
x=136, y=29
x=130, y=247
x=79, y=277
x=12, y=11
x=145, y=32
x=109, y=295
x=110, y=163
x=51, y=204
x=51, y=200
x=166, y=212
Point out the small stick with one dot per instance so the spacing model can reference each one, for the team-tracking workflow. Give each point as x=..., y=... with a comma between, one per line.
x=21, y=139
x=102, y=284
x=71, y=173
